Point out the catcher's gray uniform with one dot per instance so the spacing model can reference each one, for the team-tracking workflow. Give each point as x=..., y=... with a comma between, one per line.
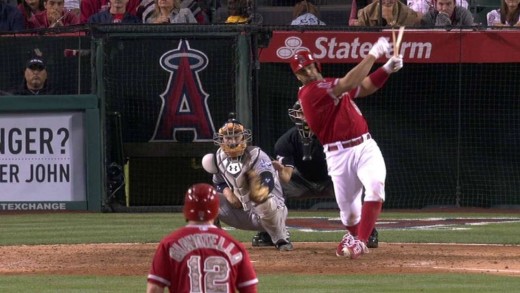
x=269, y=216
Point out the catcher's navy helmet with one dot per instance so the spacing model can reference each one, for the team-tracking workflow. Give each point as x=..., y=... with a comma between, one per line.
x=201, y=203
x=302, y=59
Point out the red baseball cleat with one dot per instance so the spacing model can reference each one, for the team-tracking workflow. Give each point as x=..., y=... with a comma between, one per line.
x=351, y=247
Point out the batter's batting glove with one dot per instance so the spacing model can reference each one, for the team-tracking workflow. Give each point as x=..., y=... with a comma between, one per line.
x=393, y=64
x=380, y=48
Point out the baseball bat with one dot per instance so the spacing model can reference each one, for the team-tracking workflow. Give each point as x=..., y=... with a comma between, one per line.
x=397, y=43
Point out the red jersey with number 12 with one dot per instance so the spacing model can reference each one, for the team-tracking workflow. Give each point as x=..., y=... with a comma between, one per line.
x=202, y=258
x=331, y=118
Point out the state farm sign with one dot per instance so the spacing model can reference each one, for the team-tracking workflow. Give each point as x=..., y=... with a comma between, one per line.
x=418, y=46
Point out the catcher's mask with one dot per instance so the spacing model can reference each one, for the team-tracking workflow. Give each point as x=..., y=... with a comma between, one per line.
x=201, y=203
x=232, y=137
x=302, y=59
x=296, y=115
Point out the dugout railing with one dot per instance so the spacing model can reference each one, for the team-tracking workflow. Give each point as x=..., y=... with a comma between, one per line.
x=447, y=125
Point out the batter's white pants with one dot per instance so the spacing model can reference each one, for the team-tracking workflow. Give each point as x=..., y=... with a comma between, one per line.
x=353, y=169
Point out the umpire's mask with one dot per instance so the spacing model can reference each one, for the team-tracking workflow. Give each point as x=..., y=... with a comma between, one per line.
x=296, y=115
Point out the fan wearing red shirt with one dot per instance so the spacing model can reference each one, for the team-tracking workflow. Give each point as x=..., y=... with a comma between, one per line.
x=354, y=160
x=200, y=257
x=91, y=7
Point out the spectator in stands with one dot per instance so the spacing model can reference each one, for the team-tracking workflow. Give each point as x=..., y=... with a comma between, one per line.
x=306, y=13
x=393, y=12
x=239, y=11
x=54, y=15
x=116, y=13
x=354, y=7
x=199, y=9
x=423, y=6
x=35, y=78
x=30, y=8
x=91, y=7
x=147, y=8
x=11, y=19
x=507, y=15
x=446, y=13
x=73, y=6
x=170, y=11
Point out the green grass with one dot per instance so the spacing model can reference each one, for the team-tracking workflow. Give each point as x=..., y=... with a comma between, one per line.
x=397, y=283
x=70, y=228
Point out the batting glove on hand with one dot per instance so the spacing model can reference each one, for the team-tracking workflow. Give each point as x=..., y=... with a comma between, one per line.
x=393, y=64
x=380, y=48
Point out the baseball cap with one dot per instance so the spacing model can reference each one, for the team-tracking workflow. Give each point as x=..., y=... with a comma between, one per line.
x=35, y=61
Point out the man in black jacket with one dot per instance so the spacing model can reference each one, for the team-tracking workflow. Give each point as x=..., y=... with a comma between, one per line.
x=35, y=79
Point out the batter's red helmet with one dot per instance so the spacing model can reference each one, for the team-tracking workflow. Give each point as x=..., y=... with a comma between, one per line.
x=201, y=203
x=302, y=59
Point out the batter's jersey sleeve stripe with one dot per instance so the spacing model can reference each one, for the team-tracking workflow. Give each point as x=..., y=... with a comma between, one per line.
x=158, y=279
x=247, y=283
x=356, y=93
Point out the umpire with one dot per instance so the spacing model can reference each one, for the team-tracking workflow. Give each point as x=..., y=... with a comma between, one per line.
x=301, y=164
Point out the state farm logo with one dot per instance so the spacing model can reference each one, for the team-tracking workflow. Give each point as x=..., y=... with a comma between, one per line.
x=292, y=46
x=331, y=48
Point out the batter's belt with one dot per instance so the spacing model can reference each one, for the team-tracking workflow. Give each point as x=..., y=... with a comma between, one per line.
x=339, y=145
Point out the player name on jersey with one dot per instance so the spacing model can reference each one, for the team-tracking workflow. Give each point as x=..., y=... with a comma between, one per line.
x=188, y=243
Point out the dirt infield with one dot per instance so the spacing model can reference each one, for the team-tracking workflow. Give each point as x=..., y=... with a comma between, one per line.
x=307, y=258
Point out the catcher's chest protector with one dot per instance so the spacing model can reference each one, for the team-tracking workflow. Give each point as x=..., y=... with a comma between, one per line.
x=235, y=170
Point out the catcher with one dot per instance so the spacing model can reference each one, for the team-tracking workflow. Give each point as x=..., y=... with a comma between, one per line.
x=251, y=194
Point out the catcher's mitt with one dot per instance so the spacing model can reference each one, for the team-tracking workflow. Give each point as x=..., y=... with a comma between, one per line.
x=258, y=191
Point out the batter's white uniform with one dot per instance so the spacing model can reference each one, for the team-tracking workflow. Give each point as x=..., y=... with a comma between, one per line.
x=354, y=159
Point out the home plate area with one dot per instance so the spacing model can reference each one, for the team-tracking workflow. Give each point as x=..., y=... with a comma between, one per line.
x=325, y=224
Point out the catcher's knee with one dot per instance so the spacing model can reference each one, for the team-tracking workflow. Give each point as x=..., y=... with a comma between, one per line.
x=266, y=208
x=376, y=192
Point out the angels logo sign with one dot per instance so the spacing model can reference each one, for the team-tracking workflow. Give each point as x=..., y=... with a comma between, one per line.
x=184, y=102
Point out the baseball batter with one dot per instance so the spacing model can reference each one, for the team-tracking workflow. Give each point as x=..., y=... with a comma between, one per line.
x=200, y=257
x=354, y=159
x=252, y=197
x=302, y=167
